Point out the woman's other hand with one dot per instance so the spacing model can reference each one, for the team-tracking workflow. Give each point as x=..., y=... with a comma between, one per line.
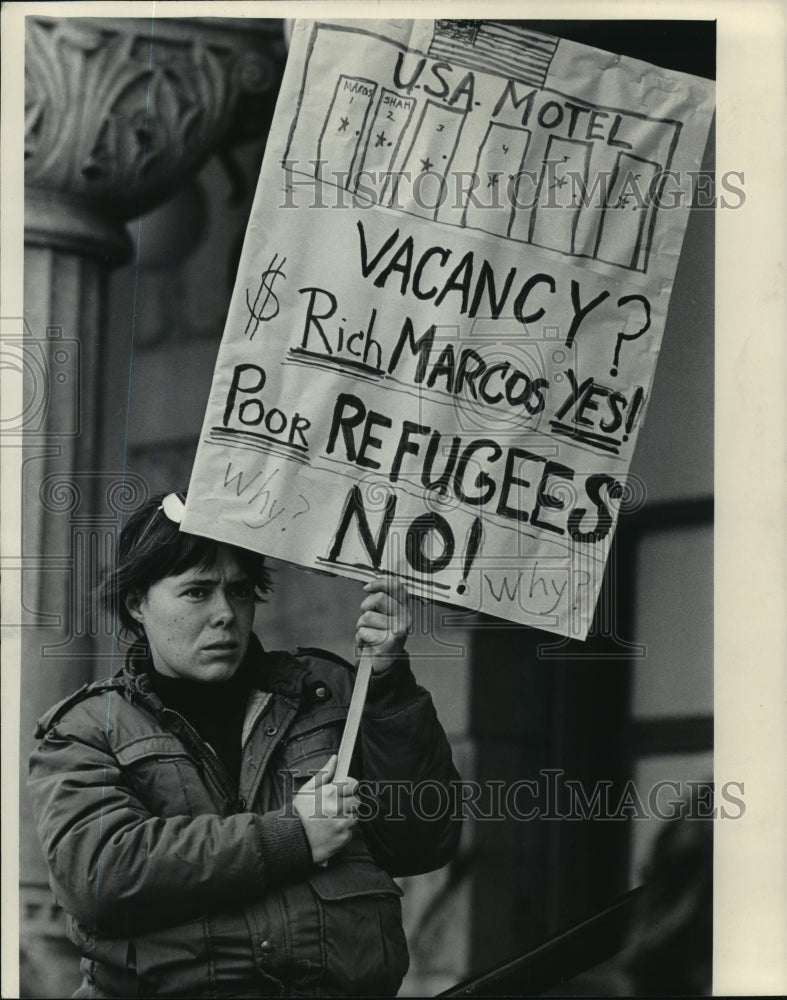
x=327, y=810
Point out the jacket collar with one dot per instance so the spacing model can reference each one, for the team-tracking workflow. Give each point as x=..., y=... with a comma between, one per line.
x=278, y=672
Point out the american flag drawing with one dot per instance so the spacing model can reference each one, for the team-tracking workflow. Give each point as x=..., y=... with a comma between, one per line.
x=497, y=47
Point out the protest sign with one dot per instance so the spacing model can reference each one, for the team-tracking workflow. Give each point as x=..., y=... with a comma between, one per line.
x=448, y=309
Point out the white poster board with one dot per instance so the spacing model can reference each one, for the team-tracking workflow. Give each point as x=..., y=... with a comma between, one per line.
x=448, y=311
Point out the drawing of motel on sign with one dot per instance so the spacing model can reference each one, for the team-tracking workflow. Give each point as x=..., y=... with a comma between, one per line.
x=469, y=135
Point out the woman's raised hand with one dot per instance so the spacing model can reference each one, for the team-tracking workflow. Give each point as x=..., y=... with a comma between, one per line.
x=385, y=621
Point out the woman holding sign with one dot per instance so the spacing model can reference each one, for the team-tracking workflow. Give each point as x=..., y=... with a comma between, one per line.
x=187, y=807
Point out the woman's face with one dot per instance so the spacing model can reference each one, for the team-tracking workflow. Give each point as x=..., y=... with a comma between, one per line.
x=198, y=623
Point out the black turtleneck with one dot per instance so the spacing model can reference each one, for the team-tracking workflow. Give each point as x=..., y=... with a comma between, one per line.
x=216, y=710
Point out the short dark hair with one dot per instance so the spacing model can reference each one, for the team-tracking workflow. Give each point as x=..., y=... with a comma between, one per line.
x=152, y=547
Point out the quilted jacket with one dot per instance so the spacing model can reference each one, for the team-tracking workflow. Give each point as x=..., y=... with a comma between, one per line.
x=177, y=882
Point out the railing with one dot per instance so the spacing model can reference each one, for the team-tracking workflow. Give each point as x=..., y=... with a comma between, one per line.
x=557, y=960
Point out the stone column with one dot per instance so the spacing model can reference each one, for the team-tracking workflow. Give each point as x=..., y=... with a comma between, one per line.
x=119, y=116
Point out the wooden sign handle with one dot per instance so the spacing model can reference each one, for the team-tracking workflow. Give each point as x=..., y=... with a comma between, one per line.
x=351, y=726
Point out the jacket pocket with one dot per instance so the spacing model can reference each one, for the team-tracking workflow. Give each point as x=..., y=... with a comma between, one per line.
x=307, y=746
x=165, y=777
x=365, y=950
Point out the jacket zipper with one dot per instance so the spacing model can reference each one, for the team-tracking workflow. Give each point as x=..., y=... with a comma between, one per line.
x=218, y=768
x=263, y=763
x=260, y=710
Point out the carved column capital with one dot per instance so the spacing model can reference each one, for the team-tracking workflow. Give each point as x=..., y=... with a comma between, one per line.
x=120, y=112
